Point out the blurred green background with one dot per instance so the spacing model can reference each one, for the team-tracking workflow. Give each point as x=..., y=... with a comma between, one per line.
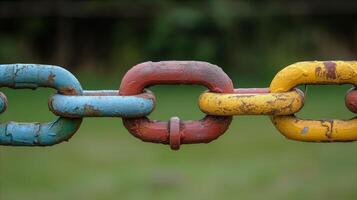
x=251, y=40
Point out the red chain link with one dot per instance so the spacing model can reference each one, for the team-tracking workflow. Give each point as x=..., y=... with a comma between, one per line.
x=176, y=132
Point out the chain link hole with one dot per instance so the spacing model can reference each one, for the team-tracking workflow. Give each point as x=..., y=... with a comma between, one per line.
x=25, y=105
x=325, y=102
x=177, y=100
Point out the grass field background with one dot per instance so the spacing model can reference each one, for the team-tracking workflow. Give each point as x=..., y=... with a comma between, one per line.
x=250, y=161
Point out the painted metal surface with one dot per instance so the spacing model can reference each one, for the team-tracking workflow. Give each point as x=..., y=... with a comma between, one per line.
x=329, y=130
x=134, y=103
x=251, y=102
x=175, y=136
x=316, y=72
x=38, y=134
x=176, y=72
x=351, y=100
x=33, y=76
x=102, y=103
x=3, y=102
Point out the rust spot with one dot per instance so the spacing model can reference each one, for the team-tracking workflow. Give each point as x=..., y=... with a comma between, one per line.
x=67, y=91
x=318, y=71
x=329, y=72
x=89, y=110
x=329, y=129
x=51, y=78
x=330, y=69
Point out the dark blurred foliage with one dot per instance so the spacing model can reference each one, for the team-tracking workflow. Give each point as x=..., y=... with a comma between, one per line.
x=247, y=38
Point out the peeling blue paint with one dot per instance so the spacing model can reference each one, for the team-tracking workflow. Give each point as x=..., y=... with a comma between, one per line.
x=102, y=103
x=38, y=134
x=33, y=76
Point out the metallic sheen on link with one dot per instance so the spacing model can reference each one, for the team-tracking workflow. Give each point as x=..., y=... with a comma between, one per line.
x=102, y=103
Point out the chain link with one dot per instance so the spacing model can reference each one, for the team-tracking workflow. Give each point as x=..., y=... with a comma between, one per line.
x=32, y=76
x=329, y=72
x=176, y=72
x=133, y=102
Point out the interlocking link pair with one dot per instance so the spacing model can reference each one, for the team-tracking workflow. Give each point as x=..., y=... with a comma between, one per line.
x=134, y=102
x=282, y=100
x=70, y=102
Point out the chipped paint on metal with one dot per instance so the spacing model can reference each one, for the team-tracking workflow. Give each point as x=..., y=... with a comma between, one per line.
x=316, y=130
x=32, y=76
x=316, y=72
x=176, y=72
x=305, y=130
x=251, y=102
x=102, y=103
x=38, y=134
x=191, y=132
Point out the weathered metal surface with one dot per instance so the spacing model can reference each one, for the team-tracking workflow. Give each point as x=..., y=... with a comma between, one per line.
x=315, y=72
x=351, y=100
x=176, y=72
x=3, y=102
x=174, y=133
x=38, y=134
x=102, y=104
x=33, y=76
x=328, y=72
x=326, y=130
x=253, y=101
x=191, y=132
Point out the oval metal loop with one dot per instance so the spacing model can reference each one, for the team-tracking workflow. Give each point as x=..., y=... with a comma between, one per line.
x=254, y=101
x=33, y=76
x=176, y=72
x=102, y=103
x=316, y=72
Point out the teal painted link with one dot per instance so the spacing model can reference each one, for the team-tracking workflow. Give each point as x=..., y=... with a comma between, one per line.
x=38, y=134
x=102, y=103
x=33, y=76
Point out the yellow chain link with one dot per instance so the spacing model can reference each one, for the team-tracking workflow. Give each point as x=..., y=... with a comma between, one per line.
x=251, y=104
x=330, y=72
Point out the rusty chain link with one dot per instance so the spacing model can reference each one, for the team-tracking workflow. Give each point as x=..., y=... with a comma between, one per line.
x=133, y=102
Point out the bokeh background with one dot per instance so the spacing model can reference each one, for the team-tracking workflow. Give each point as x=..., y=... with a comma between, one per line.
x=251, y=40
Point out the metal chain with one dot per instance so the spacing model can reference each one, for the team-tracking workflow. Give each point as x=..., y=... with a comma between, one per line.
x=133, y=102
